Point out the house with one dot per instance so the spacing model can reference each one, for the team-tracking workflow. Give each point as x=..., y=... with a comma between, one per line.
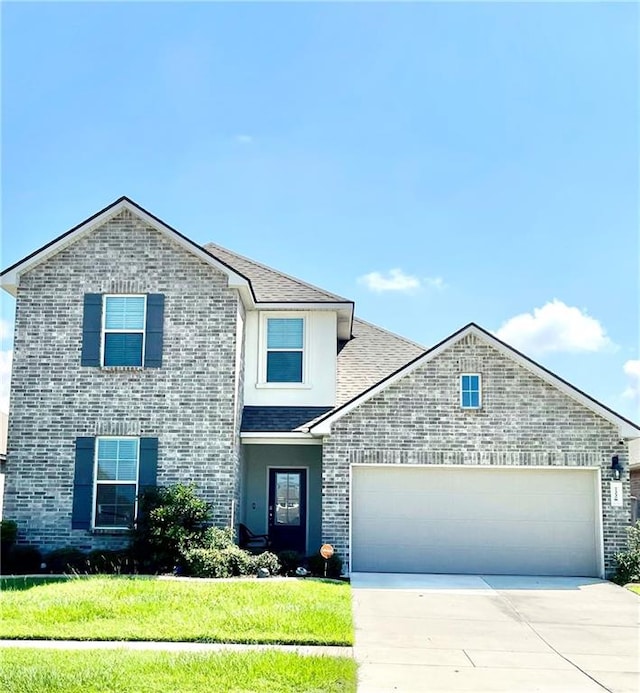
x=143, y=358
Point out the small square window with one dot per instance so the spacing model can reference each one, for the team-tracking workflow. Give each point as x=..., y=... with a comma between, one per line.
x=470, y=391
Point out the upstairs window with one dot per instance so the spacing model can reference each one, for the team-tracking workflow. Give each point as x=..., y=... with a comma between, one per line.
x=124, y=330
x=116, y=482
x=285, y=350
x=470, y=391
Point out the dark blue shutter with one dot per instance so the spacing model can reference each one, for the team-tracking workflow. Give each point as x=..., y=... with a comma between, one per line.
x=83, y=484
x=148, y=472
x=91, y=330
x=154, y=331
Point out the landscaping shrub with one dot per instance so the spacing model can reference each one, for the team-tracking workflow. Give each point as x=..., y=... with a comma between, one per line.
x=22, y=560
x=289, y=561
x=218, y=563
x=231, y=561
x=171, y=521
x=266, y=560
x=8, y=535
x=628, y=562
x=316, y=565
x=66, y=560
x=219, y=538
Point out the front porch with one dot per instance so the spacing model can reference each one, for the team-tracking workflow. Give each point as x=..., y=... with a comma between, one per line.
x=281, y=495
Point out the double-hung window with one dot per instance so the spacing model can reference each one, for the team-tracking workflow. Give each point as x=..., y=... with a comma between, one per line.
x=116, y=482
x=285, y=350
x=470, y=391
x=124, y=330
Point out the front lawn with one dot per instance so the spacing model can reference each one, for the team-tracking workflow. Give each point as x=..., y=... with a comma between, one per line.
x=634, y=588
x=97, y=671
x=313, y=612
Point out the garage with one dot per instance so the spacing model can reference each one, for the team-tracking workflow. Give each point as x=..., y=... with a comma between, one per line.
x=485, y=520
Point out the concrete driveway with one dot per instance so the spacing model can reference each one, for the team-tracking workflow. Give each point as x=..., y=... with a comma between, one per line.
x=434, y=633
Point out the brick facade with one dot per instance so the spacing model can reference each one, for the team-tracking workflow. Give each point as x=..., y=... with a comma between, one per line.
x=524, y=421
x=190, y=404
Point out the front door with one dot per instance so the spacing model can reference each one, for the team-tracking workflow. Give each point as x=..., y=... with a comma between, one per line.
x=288, y=509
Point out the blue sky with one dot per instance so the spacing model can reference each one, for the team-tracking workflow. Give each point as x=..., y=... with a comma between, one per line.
x=437, y=163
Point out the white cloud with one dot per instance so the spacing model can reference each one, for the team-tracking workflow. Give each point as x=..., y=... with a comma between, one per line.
x=555, y=327
x=632, y=370
x=6, y=357
x=395, y=280
x=244, y=139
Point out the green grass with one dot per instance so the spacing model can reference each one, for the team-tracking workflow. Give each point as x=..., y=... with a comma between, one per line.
x=634, y=588
x=314, y=612
x=122, y=671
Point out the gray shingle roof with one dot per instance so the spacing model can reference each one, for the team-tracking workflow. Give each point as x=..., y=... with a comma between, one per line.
x=372, y=355
x=278, y=419
x=269, y=284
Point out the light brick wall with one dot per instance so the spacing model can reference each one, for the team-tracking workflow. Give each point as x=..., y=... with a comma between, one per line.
x=189, y=403
x=418, y=420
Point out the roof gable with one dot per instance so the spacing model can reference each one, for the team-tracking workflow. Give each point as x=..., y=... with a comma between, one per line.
x=10, y=277
x=627, y=429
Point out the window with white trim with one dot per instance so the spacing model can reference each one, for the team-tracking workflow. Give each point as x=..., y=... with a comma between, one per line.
x=116, y=482
x=123, y=330
x=284, y=350
x=470, y=391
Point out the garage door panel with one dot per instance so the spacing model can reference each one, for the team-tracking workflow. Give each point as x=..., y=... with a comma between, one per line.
x=511, y=521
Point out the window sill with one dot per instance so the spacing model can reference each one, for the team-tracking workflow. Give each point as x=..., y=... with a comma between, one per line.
x=283, y=386
x=118, y=531
x=111, y=369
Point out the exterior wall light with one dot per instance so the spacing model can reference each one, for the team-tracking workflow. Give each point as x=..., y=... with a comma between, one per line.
x=616, y=467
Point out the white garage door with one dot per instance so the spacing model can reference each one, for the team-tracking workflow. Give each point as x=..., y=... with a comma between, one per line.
x=500, y=521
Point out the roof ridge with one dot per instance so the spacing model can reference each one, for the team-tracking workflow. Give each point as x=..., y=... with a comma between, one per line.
x=277, y=271
x=389, y=332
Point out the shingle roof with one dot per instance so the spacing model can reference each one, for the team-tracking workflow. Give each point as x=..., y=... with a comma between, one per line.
x=370, y=356
x=270, y=285
x=278, y=419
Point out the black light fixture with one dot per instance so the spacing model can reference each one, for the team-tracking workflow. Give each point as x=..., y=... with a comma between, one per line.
x=616, y=467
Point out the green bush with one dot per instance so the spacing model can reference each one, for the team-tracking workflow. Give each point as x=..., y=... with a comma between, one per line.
x=8, y=531
x=171, y=521
x=266, y=560
x=628, y=562
x=289, y=561
x=231, y=561
x=66, y=560
x=219, y=538
x=317, y=564
x=22, y=560
x=8, y=535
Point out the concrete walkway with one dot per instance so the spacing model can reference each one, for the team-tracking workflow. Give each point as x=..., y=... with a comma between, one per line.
x=437, y=633
x=326, y=650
